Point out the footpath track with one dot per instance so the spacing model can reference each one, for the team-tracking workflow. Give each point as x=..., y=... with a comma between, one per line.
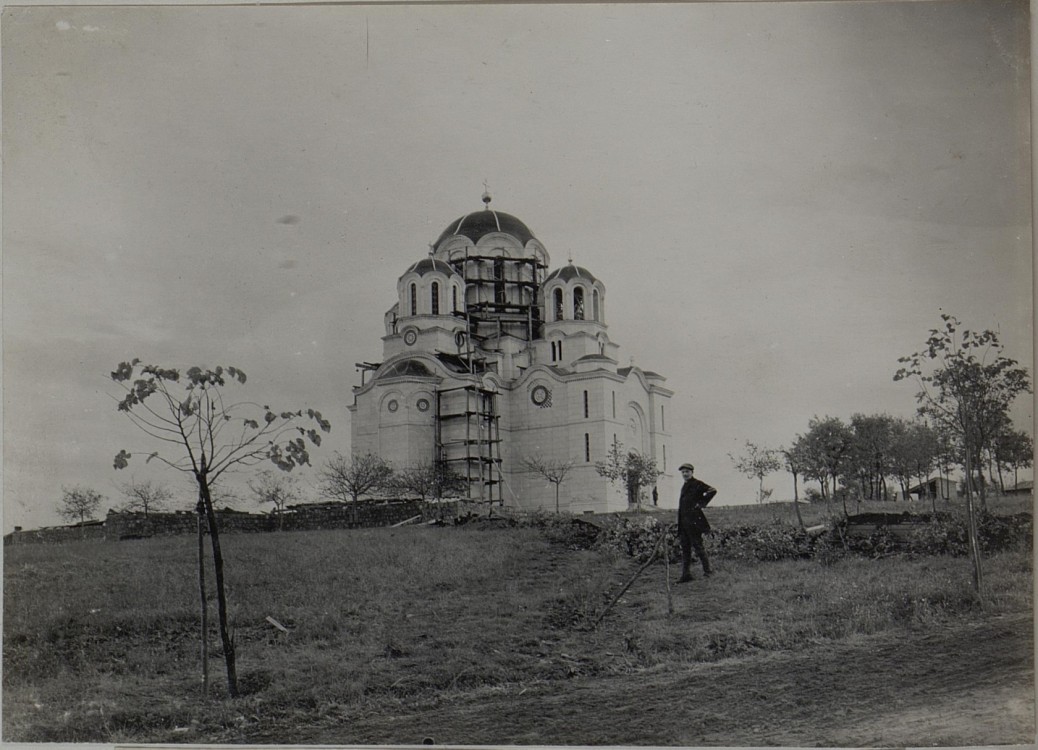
x=969, y=684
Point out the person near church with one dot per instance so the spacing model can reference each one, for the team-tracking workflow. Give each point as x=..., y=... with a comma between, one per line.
x=692, y=523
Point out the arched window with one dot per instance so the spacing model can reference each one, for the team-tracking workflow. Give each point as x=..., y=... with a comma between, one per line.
x=414, y=299
x=558, y=304
x=578, y=303
x=454, y=298
x=435, y=292
x=594, y=305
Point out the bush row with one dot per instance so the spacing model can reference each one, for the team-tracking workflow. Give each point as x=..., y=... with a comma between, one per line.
x=942, y=534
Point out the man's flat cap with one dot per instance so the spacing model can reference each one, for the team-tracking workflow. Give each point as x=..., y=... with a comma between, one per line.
x=690, y=467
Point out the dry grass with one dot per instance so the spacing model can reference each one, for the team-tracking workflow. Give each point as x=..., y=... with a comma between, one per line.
x=101, y=642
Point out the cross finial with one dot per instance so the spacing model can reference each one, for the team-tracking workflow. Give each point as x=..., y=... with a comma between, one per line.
x=486, y=194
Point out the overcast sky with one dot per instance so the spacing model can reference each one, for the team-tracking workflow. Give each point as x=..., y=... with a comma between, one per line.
x=781, y=199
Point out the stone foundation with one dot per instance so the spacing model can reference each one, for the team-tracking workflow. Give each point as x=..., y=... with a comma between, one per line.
x=123, y=526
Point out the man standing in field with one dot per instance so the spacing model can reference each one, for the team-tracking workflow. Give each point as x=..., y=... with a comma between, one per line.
x=692, y=523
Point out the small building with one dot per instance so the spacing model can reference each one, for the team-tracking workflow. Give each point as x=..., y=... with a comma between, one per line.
x=491, y=358
x=1023, y=487
x=939, y=488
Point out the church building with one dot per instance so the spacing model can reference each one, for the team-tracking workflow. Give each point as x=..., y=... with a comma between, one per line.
x=490, y=358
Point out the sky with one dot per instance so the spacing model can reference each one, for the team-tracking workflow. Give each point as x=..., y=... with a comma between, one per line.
x=780, y=198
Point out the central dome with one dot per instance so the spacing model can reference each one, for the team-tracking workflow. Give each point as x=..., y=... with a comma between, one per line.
x=480, y=223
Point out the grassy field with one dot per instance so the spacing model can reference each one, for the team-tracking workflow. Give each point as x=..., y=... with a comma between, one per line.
x=482, y=635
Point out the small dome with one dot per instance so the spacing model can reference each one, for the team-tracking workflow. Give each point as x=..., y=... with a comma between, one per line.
x=428, y=265
x=480, y=223
x=570, y=272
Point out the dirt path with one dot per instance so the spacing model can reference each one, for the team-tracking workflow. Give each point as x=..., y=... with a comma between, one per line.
x=970, y=685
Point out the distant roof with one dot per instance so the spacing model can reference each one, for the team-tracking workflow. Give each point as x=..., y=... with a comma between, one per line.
x=569, y=272
x=647, y=373
x=480, y=223
x=428, y=265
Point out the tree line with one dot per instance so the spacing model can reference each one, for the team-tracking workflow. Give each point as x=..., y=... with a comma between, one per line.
x=966, y=386
x=341, y=478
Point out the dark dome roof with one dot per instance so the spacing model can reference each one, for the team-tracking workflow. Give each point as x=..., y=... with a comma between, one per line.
x=428, y=265
x=479, y=223
x=570, y=272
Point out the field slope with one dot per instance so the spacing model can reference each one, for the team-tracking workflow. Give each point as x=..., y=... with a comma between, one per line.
x=478, y=635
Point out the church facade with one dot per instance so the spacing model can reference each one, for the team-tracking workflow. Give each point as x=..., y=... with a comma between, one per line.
x=491, y=359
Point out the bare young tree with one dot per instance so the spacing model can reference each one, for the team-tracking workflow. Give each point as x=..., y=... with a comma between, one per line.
x=757, y=462
x=425, y=480
x=204, y=435
x=347, y=479
x=79, y=504
x=553, y=470
x=276, y=489
x=145, y=496
x=795, y=460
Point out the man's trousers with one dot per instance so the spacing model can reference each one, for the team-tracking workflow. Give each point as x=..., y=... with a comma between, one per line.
x=692, y=540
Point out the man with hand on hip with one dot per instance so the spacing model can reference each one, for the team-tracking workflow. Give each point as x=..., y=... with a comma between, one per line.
x=692, y=523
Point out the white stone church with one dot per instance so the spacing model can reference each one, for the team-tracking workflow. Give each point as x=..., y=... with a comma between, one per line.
x=490, y=359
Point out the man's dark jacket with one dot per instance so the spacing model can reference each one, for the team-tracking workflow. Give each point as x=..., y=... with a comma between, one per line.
x=694, y=497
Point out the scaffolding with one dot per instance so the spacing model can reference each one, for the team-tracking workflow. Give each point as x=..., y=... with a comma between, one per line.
x=501, y=295
x=468, y=438
x=500, y=299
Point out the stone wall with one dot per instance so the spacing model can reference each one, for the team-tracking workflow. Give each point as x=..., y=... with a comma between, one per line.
x=58, y=534
x=123, y=526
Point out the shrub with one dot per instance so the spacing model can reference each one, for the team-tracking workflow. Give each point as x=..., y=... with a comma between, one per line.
x=638, y=538
x=764, y=543
x=567, y=531
x=947, y=533
x=941, y=534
